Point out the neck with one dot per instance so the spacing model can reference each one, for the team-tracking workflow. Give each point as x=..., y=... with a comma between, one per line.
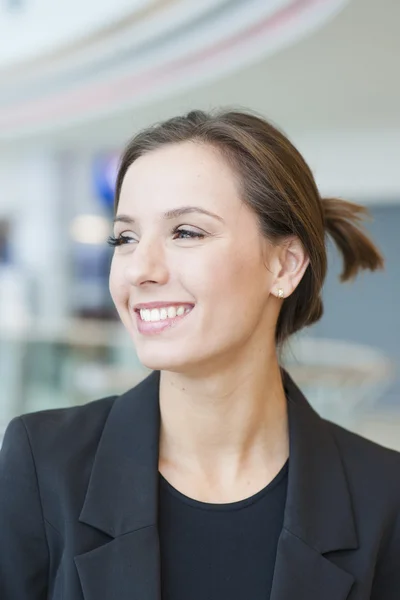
x=224, y=426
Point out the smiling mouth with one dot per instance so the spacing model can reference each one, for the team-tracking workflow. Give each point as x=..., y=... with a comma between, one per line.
x=155, y=315
x=154, y=321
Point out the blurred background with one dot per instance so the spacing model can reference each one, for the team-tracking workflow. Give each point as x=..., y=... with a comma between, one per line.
x=78, y=79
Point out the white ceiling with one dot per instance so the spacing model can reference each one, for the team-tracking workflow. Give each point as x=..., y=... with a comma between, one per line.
x=336, y=93
x=149, y=58
x=344, y=76
x=45, y=25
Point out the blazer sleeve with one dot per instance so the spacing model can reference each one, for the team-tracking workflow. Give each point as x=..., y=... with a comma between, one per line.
x=386, y=584
x=23, y=547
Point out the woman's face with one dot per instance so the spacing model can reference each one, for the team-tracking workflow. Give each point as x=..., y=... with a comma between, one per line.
x=189, y=241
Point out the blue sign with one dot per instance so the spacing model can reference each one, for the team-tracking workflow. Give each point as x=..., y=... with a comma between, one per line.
x=105, y=171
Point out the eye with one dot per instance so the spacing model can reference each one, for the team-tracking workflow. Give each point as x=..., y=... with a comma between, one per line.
x=119, y=240
x=185, y=234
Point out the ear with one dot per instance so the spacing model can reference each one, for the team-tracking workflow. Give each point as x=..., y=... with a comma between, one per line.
x=289, y=265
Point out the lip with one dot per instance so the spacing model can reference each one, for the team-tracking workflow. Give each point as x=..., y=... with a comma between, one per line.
x=150, y=305
x=156, y=327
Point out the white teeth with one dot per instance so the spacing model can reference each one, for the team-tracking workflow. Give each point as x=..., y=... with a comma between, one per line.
x=164, y=313
x=171, y=312
x=155, y=314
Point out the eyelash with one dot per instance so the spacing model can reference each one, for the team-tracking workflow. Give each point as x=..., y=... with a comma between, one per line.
x=122, y=239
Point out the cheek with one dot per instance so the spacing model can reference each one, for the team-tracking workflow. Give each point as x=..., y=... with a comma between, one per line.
x=238, y=287
x=222, y=280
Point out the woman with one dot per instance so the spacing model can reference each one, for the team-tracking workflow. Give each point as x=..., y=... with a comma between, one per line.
x=213, y=478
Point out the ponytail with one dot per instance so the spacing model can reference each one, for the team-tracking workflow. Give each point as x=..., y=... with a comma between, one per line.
x=304, y=307
x=358, y=251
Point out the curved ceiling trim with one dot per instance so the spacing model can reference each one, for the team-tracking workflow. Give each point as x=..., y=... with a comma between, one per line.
x=146, y=24
x=182, y=32
x=294, y=20
x=47, y=27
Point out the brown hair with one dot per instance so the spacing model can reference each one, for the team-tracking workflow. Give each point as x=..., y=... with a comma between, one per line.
x=276, y=182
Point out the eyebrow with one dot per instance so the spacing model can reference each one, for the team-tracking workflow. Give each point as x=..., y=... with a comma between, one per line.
x=173, y=214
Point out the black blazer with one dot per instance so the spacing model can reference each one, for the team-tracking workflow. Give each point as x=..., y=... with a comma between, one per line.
x=78, y=506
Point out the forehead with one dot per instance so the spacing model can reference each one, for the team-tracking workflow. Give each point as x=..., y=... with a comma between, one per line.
x=174, y=174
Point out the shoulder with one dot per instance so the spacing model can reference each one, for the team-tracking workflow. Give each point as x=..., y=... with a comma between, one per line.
x=52, y=451
x=54, y=434
x=361, y=450
x=373, y=477
x=86, y=418
x=373, y=471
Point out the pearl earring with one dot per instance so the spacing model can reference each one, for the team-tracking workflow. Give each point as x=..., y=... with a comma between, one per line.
x=280, y=293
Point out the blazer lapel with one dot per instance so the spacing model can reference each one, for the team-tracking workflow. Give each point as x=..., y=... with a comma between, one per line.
x=318, y=515
x=122, y=501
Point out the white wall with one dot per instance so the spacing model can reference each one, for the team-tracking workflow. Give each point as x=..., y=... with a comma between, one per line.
x=363, y=165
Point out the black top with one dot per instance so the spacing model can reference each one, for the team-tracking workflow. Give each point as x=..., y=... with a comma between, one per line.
x=220, y=551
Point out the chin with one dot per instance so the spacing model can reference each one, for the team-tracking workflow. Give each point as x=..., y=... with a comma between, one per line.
x=160, y=361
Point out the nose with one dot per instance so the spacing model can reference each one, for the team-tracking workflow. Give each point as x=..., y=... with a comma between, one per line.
x=147, y=264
